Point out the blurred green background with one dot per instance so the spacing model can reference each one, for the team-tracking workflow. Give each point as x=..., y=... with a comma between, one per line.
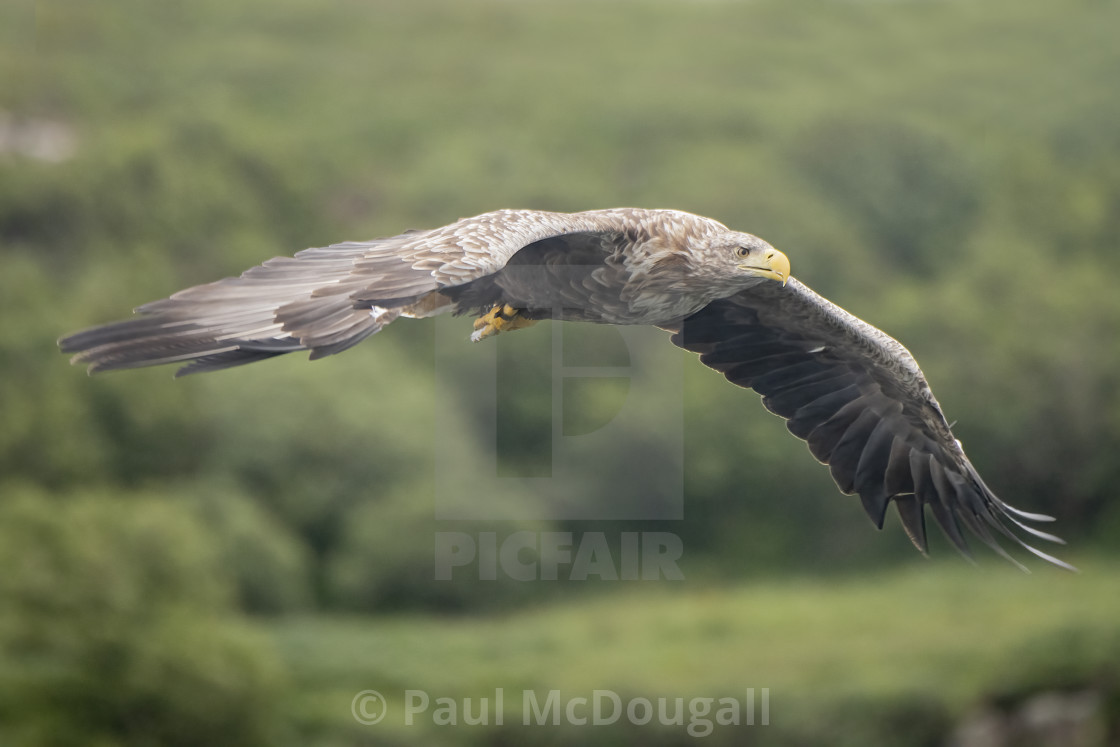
x=229, y=559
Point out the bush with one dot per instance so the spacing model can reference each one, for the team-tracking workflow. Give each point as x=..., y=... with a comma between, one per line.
x=116, y=627
x=915, y=196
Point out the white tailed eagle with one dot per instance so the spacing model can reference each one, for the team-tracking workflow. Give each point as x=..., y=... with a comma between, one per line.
x=848, y=389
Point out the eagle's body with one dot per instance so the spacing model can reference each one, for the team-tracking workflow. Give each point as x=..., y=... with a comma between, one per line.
x=852, y=392
x=620, y=266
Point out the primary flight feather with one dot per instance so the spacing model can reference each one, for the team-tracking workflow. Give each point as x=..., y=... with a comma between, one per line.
x=853, y=393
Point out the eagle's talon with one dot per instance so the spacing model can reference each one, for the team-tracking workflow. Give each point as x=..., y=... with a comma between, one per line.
x=501, y=318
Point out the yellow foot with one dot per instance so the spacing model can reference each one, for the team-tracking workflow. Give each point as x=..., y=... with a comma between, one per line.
x=501, y=318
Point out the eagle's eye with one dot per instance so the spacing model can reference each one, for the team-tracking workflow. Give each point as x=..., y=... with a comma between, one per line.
x=742, y=251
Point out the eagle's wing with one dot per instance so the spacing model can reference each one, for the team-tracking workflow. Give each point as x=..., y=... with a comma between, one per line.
x=860, y=401
x=324, y=299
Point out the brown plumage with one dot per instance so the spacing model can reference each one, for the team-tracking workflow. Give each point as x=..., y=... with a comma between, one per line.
x=852, y=392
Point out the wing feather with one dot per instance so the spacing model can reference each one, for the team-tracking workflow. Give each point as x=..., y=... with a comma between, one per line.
x=324, y=299
x=859, y=400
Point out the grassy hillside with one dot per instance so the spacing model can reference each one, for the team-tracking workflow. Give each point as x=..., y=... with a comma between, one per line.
x=895, y=657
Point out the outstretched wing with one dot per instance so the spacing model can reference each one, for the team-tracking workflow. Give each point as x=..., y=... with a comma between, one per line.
x=324, y=299
x=859, y=400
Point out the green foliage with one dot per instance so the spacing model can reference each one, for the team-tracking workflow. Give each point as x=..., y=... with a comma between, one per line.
x=872, y=163
x=384, y=560
x=116, y=628
x=913, y=196
x=271, y=568
x=882, y=182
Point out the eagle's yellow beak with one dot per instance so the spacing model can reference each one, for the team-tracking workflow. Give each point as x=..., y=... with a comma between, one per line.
x=775, y=266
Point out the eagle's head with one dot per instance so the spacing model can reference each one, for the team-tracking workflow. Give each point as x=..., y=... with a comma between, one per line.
x=732, y=257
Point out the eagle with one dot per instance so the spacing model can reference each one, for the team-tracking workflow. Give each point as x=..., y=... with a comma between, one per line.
x=853, y=393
